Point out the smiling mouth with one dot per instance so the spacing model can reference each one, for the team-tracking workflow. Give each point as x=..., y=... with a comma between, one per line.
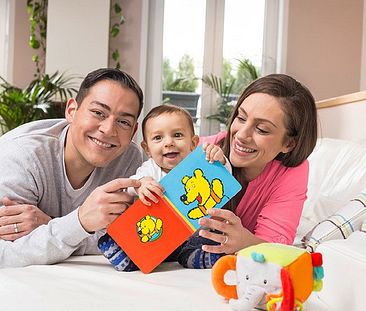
x=101, y=144
x=242, y=149
x=171, y=155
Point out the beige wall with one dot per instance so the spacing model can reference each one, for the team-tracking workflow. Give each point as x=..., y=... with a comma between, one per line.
x=324, y=45
x=77, y=36
x=21, y=67
x=129, y=39
x=62, y=43
x=343, y=122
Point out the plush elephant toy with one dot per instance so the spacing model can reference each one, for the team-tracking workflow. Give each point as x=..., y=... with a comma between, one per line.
x=269, y=275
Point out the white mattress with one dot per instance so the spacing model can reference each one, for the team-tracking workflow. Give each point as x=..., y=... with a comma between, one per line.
x=90, y=283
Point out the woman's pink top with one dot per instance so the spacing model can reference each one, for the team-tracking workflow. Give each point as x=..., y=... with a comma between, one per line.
x=272, y=204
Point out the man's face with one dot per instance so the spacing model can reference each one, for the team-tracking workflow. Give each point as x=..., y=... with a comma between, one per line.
x=102, y=127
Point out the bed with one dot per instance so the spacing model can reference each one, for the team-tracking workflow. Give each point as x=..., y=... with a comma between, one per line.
x=90, y=283
x=337, y=174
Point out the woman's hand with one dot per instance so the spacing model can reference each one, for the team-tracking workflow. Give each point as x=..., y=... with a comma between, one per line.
x=234, y=236
x=17, y=220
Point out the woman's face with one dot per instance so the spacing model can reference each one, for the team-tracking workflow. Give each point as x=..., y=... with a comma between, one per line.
x=258, y=134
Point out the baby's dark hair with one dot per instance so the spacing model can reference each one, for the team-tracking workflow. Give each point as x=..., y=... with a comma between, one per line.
x=166, y=108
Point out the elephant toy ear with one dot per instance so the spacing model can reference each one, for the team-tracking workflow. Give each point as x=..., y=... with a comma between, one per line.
x=288, y=302
x=223, y=265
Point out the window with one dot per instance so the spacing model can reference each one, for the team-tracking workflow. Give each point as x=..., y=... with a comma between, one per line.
x=219, y=32
x=243, y=40
x=183, y=44
x=184, y=47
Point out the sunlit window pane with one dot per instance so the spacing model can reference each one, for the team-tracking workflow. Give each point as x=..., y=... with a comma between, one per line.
x=243, y=39
x=183, y=43
x=183, y=47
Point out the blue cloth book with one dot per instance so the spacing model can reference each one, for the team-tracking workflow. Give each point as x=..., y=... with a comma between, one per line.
x=195, y=185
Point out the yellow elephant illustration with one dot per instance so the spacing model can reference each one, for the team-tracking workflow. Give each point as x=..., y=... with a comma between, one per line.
x=199, y=189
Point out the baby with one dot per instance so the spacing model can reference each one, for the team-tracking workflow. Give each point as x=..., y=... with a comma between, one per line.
x=168, y=137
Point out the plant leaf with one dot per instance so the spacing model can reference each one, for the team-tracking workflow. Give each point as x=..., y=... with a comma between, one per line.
x=117, y=8
x=114, y=31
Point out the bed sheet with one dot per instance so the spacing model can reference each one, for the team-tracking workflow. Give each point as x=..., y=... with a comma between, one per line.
x=90, y=283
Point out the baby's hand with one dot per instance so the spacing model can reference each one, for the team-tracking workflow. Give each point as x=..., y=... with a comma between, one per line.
x=214, y=153
x=149, y=189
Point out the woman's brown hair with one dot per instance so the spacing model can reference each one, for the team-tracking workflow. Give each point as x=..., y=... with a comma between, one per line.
x=299, y=108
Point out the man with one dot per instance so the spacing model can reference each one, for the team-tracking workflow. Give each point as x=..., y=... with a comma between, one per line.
x=61, y=181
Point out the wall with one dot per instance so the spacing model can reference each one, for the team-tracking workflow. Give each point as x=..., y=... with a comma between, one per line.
x=77, y=36
x=324, y=45
x=4, y=39
x=343, y=117
x=21, y=68
x=128, y=41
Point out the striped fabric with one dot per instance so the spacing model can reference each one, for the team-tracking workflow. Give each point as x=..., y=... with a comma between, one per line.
x=363, y=227
x=340, y=225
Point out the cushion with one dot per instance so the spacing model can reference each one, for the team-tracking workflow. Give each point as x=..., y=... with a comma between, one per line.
x=337, y=175
x=340, y=225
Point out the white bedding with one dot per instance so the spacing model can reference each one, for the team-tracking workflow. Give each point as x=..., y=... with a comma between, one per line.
x=345, y=271
x=87, y=283
x=90, y=283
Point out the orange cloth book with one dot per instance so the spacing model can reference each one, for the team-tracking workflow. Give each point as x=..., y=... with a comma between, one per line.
x=149, y=234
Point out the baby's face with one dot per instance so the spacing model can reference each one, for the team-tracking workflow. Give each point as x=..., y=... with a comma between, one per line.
x=169, y=139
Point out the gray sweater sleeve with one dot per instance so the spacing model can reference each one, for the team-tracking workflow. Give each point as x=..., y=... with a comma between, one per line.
x=46, y=244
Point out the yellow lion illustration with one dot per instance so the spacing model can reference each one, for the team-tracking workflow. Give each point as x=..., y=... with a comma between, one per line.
x=197, y=187
x=149, y=228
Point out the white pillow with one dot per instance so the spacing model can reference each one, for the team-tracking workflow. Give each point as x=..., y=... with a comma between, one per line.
x=337, y=174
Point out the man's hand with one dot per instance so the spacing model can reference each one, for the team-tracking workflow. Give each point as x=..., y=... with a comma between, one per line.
x=17, y=220
x=106, y=203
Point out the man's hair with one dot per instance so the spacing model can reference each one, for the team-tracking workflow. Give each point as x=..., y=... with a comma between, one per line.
x=166, y=108
x=102, y=74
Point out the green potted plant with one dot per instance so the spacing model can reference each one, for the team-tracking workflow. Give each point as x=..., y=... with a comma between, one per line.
x=179, y=86
x=229, y=87
x=42, y=98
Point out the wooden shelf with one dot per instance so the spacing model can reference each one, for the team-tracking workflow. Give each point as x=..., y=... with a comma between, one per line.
x=341, y=100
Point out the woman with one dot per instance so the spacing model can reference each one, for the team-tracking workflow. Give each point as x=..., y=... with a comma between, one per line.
x=272, y=130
